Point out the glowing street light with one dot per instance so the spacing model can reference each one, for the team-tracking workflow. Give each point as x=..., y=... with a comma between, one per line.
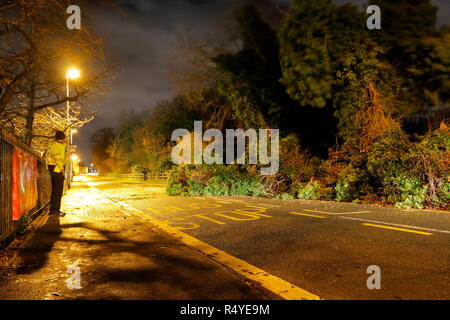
x=73, y=73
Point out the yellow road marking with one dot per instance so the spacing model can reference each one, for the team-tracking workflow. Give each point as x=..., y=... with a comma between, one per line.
x=248, y=216
x=210, y=205
x=270, y=205
x=179, y=225
x=272, y=283
x=438, y=211
x=202, y=216
x=325, y=212
x=307, y=215
x=398, y=229
x=254, y=210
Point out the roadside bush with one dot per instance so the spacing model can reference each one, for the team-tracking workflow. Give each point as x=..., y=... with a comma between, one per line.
x=276, y=184
x=214, y=181
x=284, y=196
x=394, y=170
x=195, y=189
x=346, y=188
x=310, y=191
x=386, y=156
x=174, y=189
x=177, y=183
x=296, y=166
x=406, y=192
x=429, y=161
x=442, y=197
x=332, y=167
x=328, y=193
x=244, y=186
x=216, y=188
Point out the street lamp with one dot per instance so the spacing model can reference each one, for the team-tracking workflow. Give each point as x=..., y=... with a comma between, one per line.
x=72, y=131
x=71, y=74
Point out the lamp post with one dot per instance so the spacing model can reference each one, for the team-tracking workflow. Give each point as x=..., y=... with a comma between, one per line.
x=75, y=161
x=71, y=74
x=72, y=131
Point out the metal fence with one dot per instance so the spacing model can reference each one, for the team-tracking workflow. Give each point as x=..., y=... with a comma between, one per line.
x=9, y=143
x=6, y=223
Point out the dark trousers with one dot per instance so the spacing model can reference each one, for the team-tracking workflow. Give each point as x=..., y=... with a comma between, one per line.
x=57, y=191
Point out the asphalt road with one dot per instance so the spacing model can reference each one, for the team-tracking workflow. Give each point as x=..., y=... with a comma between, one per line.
x=322, y=247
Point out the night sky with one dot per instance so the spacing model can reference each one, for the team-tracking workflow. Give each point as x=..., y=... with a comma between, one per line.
x=143, y=38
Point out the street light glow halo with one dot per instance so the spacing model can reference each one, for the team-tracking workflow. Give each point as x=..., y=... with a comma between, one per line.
x=73, y=73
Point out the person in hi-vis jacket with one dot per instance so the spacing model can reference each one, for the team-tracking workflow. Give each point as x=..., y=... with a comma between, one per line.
x=56, y=161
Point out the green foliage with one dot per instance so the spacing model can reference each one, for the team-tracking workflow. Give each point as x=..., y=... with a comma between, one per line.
x=174, y=189
x=216, y=189
x=347, y=185
x=442, y=196
x=204, y=180
x=411, y=174
x=310, y=191
x=386, y=156
x=284, y=196
x=195, y=189
x=406, y=192
x=419, y=52
x=429, y=161
x=329, y=59
x=141, y=141
x=172, y=114
x=305, y=61
x=177, y=183
x=245, y=186
x=251, y=74
x=438, y=140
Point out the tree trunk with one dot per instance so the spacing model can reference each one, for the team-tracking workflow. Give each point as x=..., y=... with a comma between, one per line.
x=30, y=117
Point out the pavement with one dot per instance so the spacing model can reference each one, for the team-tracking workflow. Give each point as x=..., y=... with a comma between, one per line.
x=100, y=251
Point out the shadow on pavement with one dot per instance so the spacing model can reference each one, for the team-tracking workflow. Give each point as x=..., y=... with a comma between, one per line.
x=130, y=262
x=35, y=254
x=152, y=268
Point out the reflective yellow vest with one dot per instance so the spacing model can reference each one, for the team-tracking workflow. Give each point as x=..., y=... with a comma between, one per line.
x=56, y=156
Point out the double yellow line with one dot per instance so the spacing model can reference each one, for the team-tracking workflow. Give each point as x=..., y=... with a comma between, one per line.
x=307, y=215
x=398, y=229
x=364, y=224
